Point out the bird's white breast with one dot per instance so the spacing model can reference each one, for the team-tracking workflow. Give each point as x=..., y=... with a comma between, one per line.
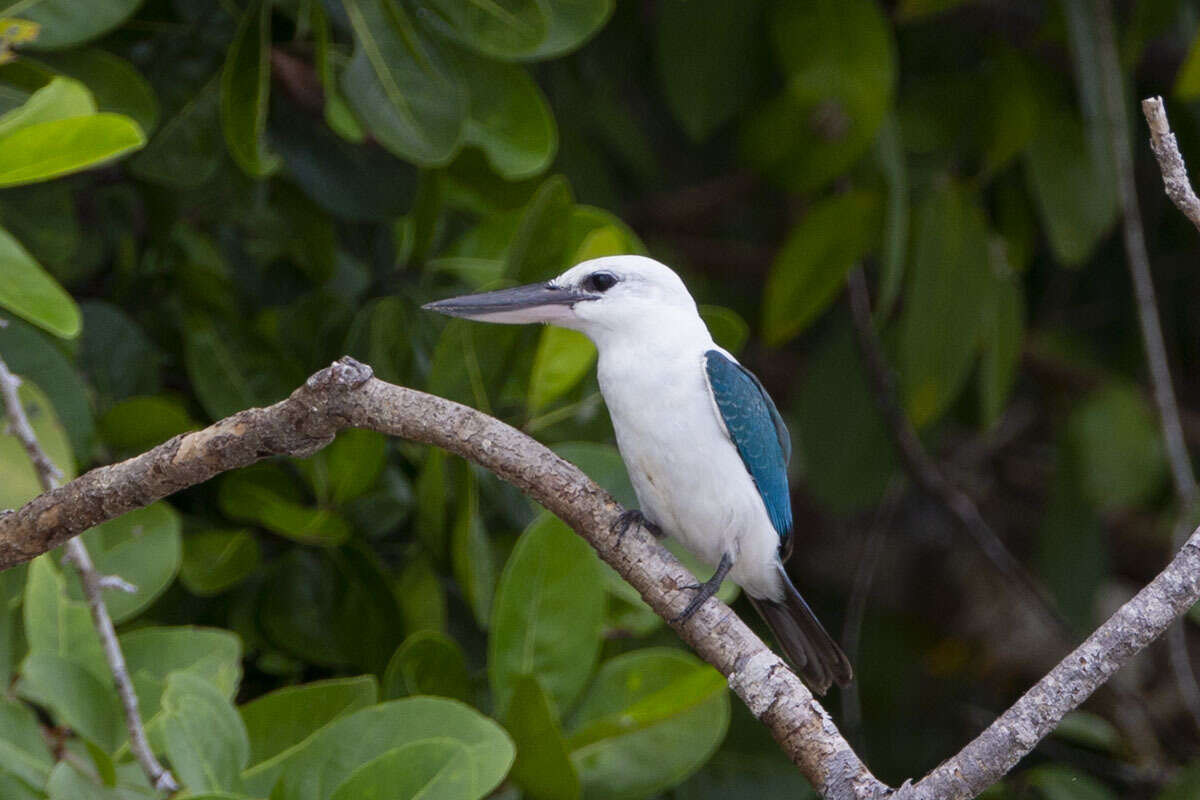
x=688, y=476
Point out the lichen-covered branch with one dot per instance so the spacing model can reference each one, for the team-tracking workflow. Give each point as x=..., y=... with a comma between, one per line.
x=94, y=585
x=1170, y=161
x=346, y=396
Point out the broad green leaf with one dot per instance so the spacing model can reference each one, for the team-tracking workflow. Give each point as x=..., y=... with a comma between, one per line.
x=19, y=481
x=35, y=357
x=351, y=742
x=1089, y=730
x=755, y=773
x=379, y=336
x=503, y=29
x=281, y=724
x=246, y=92
x=1074, y=188
x=708, y=57
x=281, y=721
x=69, y=781
x=137, y=424
x=62, y=24
x=61, y=98
x=1187, y=80
x=650, y=718
x=422, y=596
x=142, y=547
x=727, y=327
x=950, y=285
x=508, y=118
x=811, y=266
x=230, y=373
x=894, y=246
x=152, y=654
x=1061, y=782
x=24, y=752
x=1012, y=110
x=593, y=232
x=401, y=86
x=187, y=150
x=217, y=560
x=543, y=768
x=45, y=219
x=471, y=557
x=570, y=23
x=333, y=607
x=348, y=467
x=563, y=358
x=848, y=457
x=76, y=697
x=337, y=114
x=48, y=150
x=1003, y=333
x=1118, y=448
x=548, y=614
x=115, y=84
x=116, y=354
x=539, y=243
x=430, y=769
x=31, y=293
x=431, y=521
x=839, y=64
x=13, y=788
x=244, y=497
x=602, y=463
x=427, y=663
x=57, y=625
x=1071, y=552
x=204, y=736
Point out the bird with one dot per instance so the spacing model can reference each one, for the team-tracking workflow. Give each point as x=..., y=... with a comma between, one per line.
x=704, y=445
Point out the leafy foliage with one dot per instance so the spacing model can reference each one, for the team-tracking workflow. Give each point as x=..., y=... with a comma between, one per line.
x=203, y=202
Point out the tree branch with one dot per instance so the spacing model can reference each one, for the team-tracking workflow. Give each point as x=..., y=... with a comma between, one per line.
x=345, y=395
x=1170, y=161
x=94, y=585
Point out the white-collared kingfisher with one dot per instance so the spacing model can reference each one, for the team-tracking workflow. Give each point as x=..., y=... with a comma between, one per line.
x=704, y=445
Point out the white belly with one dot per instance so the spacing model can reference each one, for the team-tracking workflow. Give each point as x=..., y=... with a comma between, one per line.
x=687, y=474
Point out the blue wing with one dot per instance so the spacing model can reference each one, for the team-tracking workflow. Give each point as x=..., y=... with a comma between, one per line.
x=757, y=431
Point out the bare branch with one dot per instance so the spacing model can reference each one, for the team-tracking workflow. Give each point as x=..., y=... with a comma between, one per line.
x=1170, y=161
x=93, y=589
x=345, y=396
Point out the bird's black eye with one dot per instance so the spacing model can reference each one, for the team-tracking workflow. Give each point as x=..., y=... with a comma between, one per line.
x=599, y=282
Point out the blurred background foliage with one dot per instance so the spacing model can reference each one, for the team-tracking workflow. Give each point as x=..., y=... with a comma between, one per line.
x=204, y=201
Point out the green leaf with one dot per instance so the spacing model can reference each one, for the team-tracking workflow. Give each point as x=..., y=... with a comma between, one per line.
x=61, y=98
x=430, y=769
x=118, y=357
x=839, y=63
x=1003, y=333
x=282, y=721
x=1061, y=782
x=77, y=697
x=603, y=464
x=24, y=752
x=1074, y=188
x=35, y=357
x=562, y=360
x=400, y=86
x=949, y=288
x=70, y=782
x=19, y=481
x=57, y=625
x=31, y=293
x=811, y=266
x=48, y=150
x=217, y=560
x=508, y=118
x=650, y=718
x=471, y=557
x=543, y=768
x=281, y=724
x=62, y=24
x=503, y=29
x=727, y=327
x=246, y=92
x=708, y=58
x=137, y=424
x=548, y=613
x=228, y=373
x=539, y=243
x=1089, y=730
x=204, y=736
x=337, y=114
x=428, y=663
x=1118, y=447
x=422, y=596
x=910, y=10
x=1184, y=785
x=1187, y=80
x=348, y=467
x=570, y=23
x=431, y=522
x=244, y=496
x=152, y=654
x=1072, y=553
x=351, y=742
x=115, y=84
x=894, y=247
x=187, y=150
x=143, y=547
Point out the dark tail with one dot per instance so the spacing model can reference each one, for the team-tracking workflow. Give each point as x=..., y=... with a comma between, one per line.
x=805, y=641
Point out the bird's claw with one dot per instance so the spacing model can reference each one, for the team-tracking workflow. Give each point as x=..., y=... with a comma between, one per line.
x=631, y=519
x=703, y=590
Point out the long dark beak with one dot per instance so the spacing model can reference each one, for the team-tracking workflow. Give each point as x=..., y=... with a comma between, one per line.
x=535, y=302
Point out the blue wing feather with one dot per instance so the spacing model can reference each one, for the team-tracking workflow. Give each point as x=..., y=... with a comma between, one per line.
x=757, y=431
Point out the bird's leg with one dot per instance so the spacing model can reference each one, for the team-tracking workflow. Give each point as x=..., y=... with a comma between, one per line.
x=631, y=518
x=705, y=590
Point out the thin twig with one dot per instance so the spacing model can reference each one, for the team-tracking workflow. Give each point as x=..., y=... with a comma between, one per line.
x=1147, y=310
x=924, y=470
x=346, y=396
x=1170, y=161
x=93, y=584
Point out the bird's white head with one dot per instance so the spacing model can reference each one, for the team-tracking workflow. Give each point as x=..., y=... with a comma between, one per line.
x=608, y=297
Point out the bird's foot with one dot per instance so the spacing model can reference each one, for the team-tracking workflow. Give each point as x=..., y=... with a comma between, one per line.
x=632, y=518
x=704, y=590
